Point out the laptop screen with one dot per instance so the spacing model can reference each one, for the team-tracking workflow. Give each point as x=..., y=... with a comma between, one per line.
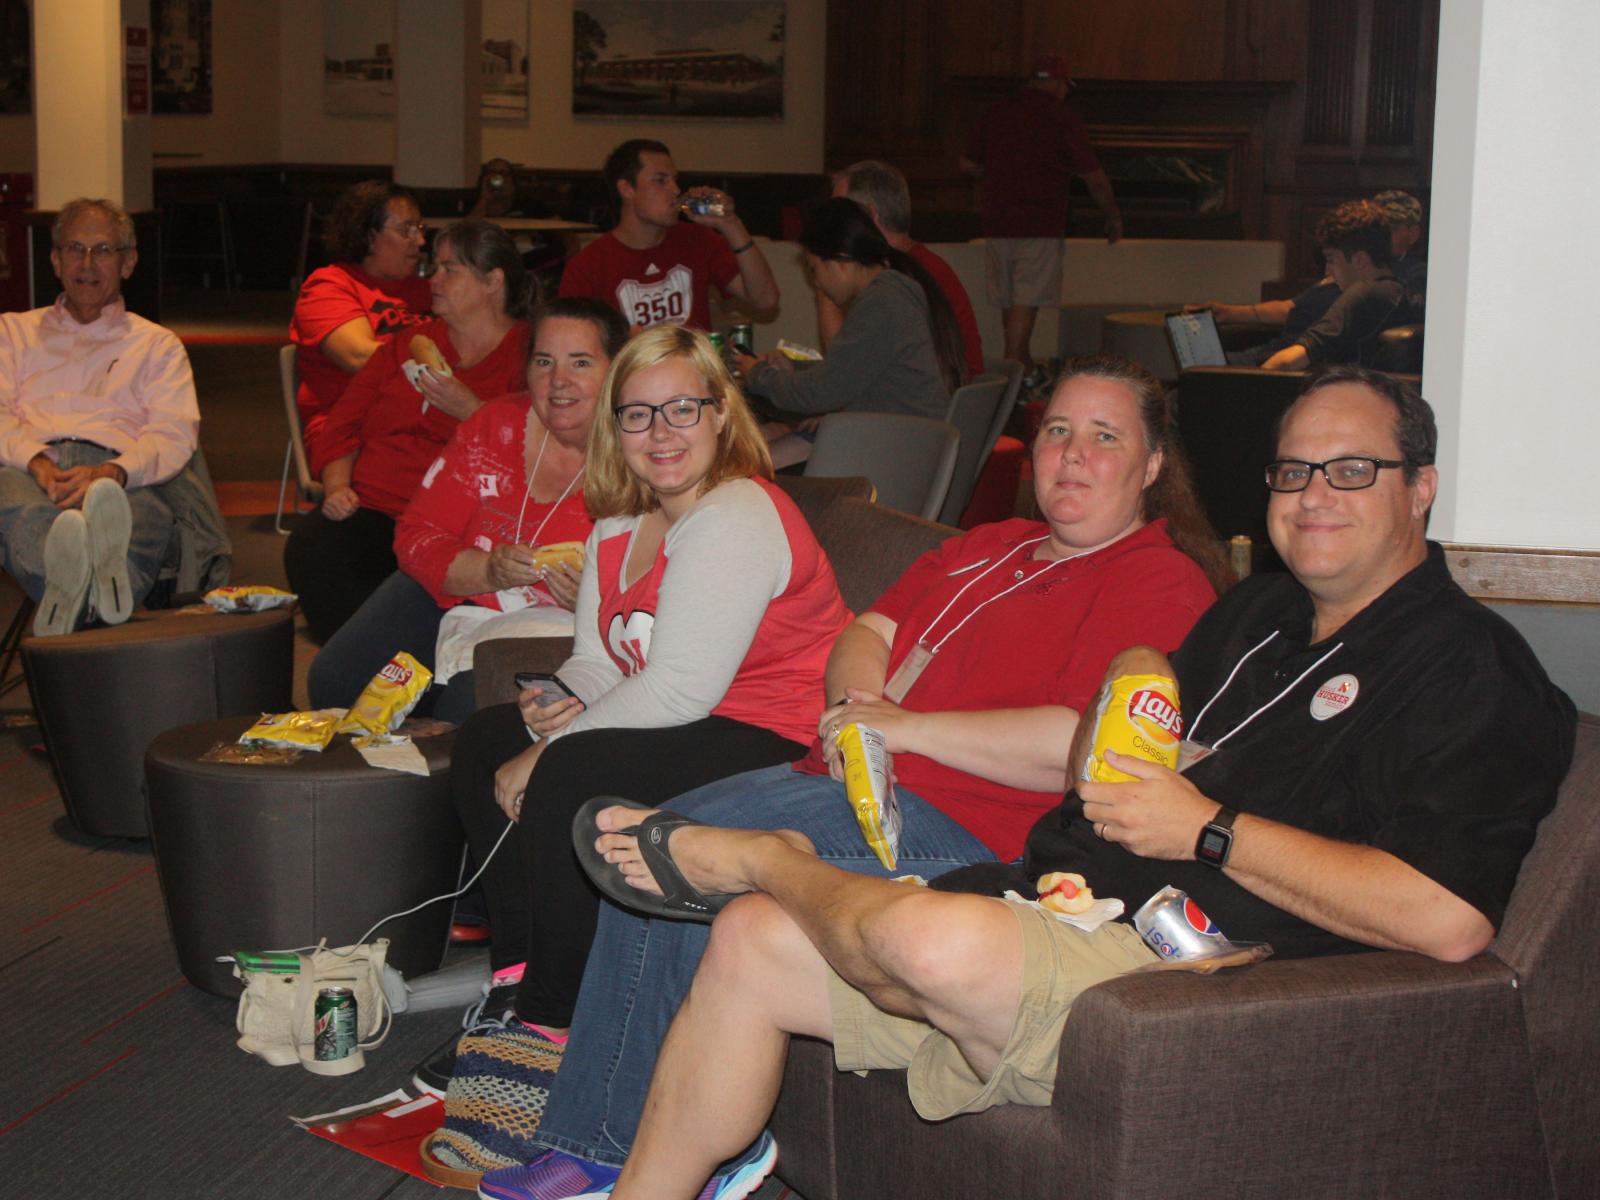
x=1194, y=339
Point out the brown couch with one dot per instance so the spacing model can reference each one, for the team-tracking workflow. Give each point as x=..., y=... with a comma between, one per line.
x=1375, y=1074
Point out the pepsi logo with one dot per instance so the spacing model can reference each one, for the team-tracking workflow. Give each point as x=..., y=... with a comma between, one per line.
x=1149, y=706
x=1198, y=921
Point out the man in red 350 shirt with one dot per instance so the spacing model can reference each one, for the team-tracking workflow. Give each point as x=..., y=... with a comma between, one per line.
x=656, y=267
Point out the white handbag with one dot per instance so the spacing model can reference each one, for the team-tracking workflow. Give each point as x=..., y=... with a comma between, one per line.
x=277, y=1020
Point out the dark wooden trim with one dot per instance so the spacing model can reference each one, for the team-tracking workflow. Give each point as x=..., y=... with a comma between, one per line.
x=1513, y=573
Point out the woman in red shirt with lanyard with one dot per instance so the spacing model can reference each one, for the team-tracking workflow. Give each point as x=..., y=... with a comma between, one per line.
x=386, y=431
x=510, y=481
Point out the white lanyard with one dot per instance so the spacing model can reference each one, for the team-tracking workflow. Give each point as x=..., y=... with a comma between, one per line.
x=1216, y=745
x=934, y=649
x=527, y=494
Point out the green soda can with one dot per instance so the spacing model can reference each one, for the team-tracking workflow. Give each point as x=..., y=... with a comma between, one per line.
x=718, y=341
x=335, y=1014
x=742, y=337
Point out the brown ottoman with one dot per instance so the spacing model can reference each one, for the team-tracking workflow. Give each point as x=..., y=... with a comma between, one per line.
x=257, y=857
x=102, y=694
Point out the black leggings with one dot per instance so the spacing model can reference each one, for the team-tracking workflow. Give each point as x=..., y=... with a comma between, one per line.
x=542, y=907
x=335, y=565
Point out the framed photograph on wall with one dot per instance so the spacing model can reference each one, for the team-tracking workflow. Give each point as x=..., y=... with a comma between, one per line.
x=16, y=59
x=678, y=58
x=505, y=60
x=181, y=57
x=358, y=58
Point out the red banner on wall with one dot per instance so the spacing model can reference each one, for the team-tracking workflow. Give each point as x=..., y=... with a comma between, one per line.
x=136, y=69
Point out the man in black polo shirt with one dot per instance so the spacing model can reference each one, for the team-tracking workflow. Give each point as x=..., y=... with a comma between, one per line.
x=1382, y=749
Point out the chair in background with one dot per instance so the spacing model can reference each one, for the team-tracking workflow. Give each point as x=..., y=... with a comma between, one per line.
x=972, y=410
x=994, y=491
x=909, y=459
x=199, y=232
x=295, y=451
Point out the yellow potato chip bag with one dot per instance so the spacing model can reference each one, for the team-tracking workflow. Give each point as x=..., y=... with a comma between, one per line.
x=389, y=698
x=868, y=787
x=1139, y=716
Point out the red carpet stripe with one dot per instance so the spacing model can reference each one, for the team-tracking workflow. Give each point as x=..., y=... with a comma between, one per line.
x=137, y=1008
x=234, y=339
x=110, y=887
x=26, y=804
x=64, y=1092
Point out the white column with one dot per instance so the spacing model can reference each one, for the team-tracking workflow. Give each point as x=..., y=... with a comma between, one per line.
x=438, y=44
x=1512, y=336
x=85, y=147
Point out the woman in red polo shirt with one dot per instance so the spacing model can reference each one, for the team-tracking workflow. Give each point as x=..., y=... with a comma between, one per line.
x=386, y=431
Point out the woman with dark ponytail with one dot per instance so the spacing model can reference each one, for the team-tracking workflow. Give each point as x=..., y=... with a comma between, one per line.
x=389, y=426
x=899, y=349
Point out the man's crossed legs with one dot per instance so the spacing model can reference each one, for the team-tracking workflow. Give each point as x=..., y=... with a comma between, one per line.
x=968, y=992
x=107, y=546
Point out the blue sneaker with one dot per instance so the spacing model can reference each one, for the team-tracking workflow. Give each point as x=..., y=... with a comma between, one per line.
x=743, y=1180
x=554, y=1175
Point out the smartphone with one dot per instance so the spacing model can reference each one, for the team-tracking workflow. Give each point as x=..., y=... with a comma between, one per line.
x=550, y=685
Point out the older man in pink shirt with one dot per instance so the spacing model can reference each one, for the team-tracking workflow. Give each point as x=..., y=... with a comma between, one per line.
x=97, y=406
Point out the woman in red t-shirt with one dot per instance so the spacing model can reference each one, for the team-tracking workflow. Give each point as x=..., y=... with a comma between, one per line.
x=369, y=292
x=510, y=480
x=386, y=431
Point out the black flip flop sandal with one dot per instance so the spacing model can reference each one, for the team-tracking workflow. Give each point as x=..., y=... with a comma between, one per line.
x=680, y=901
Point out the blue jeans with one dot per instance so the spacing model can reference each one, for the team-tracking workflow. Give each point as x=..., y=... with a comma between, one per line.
x=26, y=515
x=400, y=615
x=639, y=969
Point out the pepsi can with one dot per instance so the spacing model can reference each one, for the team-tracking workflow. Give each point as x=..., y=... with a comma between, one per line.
x=1175, y=927
x=704, y=205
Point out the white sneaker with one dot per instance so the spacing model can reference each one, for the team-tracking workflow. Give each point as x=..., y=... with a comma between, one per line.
x=110, y=521
x=66, y=575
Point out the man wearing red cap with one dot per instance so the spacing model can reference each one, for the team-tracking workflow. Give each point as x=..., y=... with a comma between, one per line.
x=1026, y=150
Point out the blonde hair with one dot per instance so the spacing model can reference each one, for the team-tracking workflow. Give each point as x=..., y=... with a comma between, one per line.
x=610, y=488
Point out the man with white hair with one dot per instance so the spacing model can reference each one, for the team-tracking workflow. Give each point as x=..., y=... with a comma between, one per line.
x=97, y=406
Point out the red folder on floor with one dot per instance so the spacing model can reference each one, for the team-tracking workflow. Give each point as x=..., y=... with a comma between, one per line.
x=389, y=1129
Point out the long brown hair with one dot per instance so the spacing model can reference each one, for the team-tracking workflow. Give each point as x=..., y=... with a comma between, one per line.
x=609, y=488
x=1171, y=494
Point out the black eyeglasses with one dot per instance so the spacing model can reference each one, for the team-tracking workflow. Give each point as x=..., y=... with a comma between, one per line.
x=1345, y=474
x=683, y=413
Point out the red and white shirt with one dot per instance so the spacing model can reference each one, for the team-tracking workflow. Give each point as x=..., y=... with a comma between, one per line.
x=734, y=618
x=664, y=285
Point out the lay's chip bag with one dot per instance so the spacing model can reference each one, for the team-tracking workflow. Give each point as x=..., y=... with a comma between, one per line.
x=248, y=599
x=389, y=698
x=869, y=787
x=295, y=730
x=1138, y=716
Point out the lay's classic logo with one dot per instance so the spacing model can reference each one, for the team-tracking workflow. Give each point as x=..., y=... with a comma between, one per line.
x=396, y=672
x=1158, y=714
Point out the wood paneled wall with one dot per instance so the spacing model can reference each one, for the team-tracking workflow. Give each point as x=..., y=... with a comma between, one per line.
x=1352, y=113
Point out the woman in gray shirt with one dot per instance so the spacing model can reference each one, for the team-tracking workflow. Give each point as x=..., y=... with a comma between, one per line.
x=899, y=349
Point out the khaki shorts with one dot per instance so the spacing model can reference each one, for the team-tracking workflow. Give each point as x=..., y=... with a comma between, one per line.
x=1059, y=962
x=1025, y=271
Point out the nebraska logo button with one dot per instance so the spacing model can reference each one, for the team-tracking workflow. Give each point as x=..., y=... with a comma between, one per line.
x=1333, y=697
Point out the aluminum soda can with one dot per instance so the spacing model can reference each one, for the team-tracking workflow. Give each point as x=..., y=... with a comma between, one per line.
x=719, y=341
x=742, y=337
x=335, y=1014
x=1138, y=716
x=1175, y=927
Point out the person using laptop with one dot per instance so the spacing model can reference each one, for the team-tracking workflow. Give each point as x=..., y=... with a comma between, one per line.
x=1356, y=247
